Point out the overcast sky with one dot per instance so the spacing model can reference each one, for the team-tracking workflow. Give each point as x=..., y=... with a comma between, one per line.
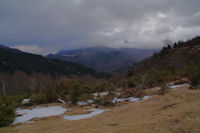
x=45, y=26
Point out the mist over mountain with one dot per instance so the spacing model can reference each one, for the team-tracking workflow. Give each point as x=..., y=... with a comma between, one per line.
x=103, y=58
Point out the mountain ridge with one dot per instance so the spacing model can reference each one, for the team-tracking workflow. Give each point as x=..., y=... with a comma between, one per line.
x=173, y=57
x=12, y=60
x=103, y=58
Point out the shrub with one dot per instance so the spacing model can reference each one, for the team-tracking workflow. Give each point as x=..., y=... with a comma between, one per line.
x=37, y=99
x=7, y=115
x=130, y=83
x=193, y=71
x=106, y=102
x=75, y=92
x=84, y=97
x=97, y=101
x=8, y=104
x=195, y=80
x=50, y=93
x=47, y=94
x=152, y=78
x=163, y=89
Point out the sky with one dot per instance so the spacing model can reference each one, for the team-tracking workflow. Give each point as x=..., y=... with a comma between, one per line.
x=47, y=26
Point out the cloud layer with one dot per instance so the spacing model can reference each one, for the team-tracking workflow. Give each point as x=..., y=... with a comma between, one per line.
x=65, y=24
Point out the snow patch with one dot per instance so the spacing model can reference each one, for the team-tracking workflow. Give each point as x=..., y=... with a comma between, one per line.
x=129, y=99
x=82, y=103
x=60, y=100
x=146, y=97
x=25, y=101
x=93, y=111
x=28, y=114
x=178, y=86
x=101, y=94
x=90, y=101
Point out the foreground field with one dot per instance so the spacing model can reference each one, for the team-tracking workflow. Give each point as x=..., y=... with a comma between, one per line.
x=176, y=112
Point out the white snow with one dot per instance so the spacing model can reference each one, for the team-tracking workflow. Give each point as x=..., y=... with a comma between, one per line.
x=118, y=100
x=94, y=112
x=178, y=86
x=146, y=97
x=129, y=99
x=28, y=114
x=60, y=100
x=132, y=99
x=25, y=101
x=90, y=101
x=101, y=94
x=82, y=103
x=157, y=88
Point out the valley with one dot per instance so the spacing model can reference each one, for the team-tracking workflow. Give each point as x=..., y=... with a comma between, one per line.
x=158, y=94
x=105, y=59
x=99, y=66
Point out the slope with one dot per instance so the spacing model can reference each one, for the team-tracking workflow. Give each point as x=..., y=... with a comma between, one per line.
x=175, y=112
x=12, y=60
x=174, y=57
x=103, y=58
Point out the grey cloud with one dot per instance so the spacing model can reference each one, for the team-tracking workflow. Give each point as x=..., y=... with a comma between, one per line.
x=70, y=24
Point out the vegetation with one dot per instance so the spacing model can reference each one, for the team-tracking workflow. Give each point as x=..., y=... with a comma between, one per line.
x=175, y=112
x=193, y=71
x=12, y=61
x=8, y=104
x=45, y=80
x=179, y=60
x=150, y=79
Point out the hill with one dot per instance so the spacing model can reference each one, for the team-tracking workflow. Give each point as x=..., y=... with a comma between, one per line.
x=12, y=60
x=104, y=59
x=177, y=57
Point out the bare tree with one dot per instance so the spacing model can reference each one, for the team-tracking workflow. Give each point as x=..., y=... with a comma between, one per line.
x=4, y=89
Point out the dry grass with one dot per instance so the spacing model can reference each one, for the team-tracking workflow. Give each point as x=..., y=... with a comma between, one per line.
x=176, y=112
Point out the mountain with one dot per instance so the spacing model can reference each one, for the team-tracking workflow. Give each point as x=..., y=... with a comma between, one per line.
x=12, y=60
x=9, y=49
x=176, y=57
x=103, y=58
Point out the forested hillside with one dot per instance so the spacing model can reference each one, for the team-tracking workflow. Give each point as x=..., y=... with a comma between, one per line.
x=178, y=57
x=12, y=60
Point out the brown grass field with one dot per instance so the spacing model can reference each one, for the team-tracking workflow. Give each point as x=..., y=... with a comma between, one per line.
x=178, y=111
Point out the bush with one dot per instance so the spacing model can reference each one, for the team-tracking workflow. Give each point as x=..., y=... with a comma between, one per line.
x=50, y=93
x=47, y=94
x=107, y=103
x=193, y=71
x=8, y=104
x=195, y=81
x=152, y=78
x=130, y=83
x=163, y=89
x=97, y=101
x=7, y=115
x=37, y=99
x=104, y=87
x=75, y=92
